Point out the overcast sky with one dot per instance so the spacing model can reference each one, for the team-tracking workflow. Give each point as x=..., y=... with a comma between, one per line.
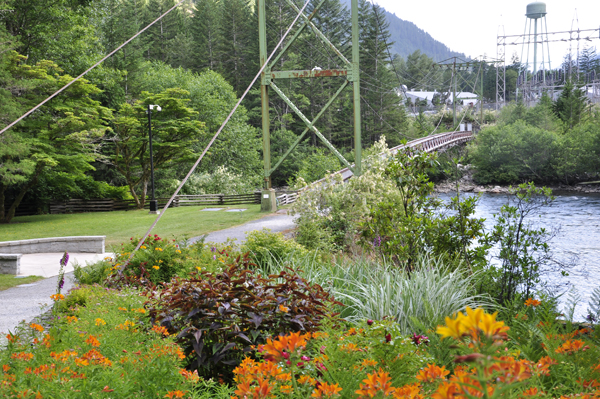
x=471, y=26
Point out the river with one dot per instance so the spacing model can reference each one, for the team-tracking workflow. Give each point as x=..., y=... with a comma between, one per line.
x=578, y=217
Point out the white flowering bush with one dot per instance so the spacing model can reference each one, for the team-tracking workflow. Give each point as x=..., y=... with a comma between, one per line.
x=330, y=212
x=221, y=181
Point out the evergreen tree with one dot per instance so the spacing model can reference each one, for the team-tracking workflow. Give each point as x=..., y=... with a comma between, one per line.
x=572, y=104
x=589, y=61
x=57, y=30
x=382, y=112
x=163, y=35
x=116, y=22
x=238, y=48
x=206, y=30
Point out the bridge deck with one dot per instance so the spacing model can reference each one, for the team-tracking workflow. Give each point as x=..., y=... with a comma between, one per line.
x=428, y=144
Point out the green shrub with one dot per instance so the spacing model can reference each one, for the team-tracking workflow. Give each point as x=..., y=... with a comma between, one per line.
x=76, y=298
x=95, y=273
x=218, y=317
x=316, y=166
x=159, y=259
x=263, y=245
x=333, y=210
x=513, y=153
x=221, y=181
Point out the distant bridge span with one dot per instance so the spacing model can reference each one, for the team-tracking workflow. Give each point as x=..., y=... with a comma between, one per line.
x=428, y=144
x=431, y=143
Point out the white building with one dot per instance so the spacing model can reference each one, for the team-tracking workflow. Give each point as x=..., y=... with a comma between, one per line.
x=463, y=98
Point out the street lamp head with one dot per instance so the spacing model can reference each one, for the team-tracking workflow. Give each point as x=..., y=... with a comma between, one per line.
x=156, y=107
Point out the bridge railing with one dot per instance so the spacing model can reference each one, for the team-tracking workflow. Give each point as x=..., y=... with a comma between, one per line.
x=428, y=144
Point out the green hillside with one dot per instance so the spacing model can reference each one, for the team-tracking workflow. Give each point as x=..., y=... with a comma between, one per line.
x=408, y=37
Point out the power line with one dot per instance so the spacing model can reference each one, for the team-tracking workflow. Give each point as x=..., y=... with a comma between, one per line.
x=56, y=93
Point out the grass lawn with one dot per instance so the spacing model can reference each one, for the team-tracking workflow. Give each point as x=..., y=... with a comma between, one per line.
x=119, y=226
x=8, y=281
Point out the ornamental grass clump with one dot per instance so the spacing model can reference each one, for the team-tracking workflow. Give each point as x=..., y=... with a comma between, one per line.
x=217, y=317
x=417, y=301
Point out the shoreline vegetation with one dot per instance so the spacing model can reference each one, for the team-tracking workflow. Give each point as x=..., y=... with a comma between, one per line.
x=468, y=185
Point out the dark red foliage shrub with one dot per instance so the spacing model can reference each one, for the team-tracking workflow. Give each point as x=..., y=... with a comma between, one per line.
x=218, y=317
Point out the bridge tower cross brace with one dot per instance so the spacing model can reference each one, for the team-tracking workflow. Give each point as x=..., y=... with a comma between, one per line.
x=268, y=77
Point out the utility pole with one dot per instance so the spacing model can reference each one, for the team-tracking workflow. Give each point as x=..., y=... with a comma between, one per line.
x=454, y=95
x=481, y=97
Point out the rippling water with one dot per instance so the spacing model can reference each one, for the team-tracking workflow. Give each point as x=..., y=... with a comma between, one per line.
x=578, y=216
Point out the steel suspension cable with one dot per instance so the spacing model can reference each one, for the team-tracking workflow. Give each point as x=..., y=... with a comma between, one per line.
x=56, y=93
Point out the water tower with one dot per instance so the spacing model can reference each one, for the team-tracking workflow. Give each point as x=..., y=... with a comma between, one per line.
x=536, y=15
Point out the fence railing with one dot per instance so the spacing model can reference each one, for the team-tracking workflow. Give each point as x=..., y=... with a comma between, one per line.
x=287, y=198
x=108, y=204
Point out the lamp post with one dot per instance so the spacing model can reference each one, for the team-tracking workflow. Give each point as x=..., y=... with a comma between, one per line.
x=153, y=203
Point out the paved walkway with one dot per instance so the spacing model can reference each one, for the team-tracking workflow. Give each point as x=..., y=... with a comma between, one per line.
x=279, y=222
x=27, y=301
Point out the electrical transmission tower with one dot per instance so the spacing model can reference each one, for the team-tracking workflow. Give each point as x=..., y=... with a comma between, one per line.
x=532, y=84
x=269, y=77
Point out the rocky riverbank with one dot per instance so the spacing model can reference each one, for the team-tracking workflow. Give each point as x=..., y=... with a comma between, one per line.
x=468, y=185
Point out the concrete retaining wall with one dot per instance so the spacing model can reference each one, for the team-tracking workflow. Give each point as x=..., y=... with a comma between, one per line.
x=89, y=244
x=10, y=263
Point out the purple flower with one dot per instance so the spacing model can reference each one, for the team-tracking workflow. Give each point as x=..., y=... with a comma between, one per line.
x=377, y=242
x=213, y=249
x=65, y=259
x=61, y=284
x=214, y=257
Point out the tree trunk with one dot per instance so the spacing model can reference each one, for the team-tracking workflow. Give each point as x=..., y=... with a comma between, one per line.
x=7, y=217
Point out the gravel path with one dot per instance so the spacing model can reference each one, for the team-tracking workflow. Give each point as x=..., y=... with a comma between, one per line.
x=279, y=222
x=28, y=301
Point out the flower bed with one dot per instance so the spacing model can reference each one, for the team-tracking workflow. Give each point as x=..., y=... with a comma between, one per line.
x=102, y=349
x=253, y=335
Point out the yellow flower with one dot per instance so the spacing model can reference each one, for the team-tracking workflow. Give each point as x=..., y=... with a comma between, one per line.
x=472, y=319
x=178, y=251
x=453, y=328
x=143, y=247
x=100, y=322
x=160, y=261
x=158, y=249
x=489, y=326
x=199, y=268
x=155, y=267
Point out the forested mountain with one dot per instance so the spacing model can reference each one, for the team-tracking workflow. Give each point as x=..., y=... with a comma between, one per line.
x=408, y=38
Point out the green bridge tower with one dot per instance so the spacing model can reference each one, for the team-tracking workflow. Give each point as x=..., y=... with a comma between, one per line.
x=268, y=78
